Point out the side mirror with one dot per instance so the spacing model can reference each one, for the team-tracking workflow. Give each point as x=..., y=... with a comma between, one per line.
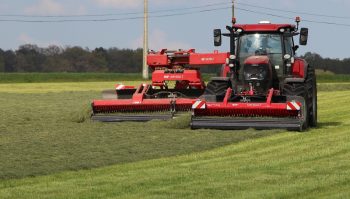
x=304, y=33
x=217, y=37
x=295, y=48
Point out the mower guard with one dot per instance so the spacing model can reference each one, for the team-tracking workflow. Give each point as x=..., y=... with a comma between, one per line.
x=243, y=115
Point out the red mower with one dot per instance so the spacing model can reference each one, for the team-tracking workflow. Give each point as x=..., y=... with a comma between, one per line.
x=176, y=84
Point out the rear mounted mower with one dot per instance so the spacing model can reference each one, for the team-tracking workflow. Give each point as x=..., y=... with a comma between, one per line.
x=176, y=84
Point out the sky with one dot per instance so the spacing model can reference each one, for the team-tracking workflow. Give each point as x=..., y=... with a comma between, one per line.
x=194, y=29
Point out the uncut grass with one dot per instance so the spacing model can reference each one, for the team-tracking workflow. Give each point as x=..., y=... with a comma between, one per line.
x=45, y=133
x=286, y=165
x=67, y=77
x=322, y=77
x=333, y=86
x=99, y=86
x=329, y=78
x=73, y=77
x=62, y=87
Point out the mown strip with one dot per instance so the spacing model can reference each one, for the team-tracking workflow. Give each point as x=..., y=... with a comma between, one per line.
x=36, y=142
x=50, y=132
x=288, y=165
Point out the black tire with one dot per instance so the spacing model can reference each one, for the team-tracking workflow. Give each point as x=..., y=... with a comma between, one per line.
x=312, y=96
x=299, y=90
x=295, y=89
x=216, y=89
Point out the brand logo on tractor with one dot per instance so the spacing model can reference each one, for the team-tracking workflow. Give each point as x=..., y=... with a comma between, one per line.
x=207, y=59
x=173, y=76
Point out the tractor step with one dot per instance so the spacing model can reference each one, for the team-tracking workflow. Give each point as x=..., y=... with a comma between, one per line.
x=245, y=123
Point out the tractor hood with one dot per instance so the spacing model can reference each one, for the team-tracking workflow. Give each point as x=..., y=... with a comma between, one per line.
x=257, y=60
x=257, y=72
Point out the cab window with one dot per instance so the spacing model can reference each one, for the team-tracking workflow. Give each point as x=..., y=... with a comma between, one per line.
x=288, y=43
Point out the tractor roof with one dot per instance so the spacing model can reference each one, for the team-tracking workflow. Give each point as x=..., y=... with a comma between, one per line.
x=264, y=27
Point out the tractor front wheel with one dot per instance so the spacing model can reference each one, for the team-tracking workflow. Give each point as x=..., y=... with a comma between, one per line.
x=299, y=91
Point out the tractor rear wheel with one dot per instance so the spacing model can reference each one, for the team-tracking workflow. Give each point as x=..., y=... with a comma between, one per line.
x=312, y=95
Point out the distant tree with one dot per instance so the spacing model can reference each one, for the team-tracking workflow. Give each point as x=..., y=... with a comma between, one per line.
x=30, y=58
x=328, y=64
x=53, y=50
x=10, y=61
x=98, y=60
x=124, y=60
x=54, y=61
x=2, y=61
x=77, y=58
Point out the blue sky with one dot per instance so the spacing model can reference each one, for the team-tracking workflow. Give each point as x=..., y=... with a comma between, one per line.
x=187, y=31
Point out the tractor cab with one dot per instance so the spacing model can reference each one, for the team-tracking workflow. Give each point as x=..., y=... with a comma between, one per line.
x=261, y=45
x=262, y=54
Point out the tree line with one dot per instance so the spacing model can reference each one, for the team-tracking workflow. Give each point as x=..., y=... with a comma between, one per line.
x=31, y=58
x=338, y=66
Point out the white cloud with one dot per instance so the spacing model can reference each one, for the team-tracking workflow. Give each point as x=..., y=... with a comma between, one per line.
x=45, y=7
x=343, y=2
x=158, y=40
x=120, y=3
x=288, y=3
x=81, y=10
x=139, y=3
x=3, y=7
x=275, y=3
x=53, y=7
x=26, y=39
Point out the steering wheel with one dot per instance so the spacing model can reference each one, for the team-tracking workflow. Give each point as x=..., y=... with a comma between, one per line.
x=261, y=51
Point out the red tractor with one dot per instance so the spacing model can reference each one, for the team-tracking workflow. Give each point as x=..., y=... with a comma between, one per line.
x=264, y=85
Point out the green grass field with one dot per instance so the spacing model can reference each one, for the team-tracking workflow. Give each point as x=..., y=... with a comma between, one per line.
x=65, y=77
x=5, y=78
x=49, y=149
x=73, y=77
